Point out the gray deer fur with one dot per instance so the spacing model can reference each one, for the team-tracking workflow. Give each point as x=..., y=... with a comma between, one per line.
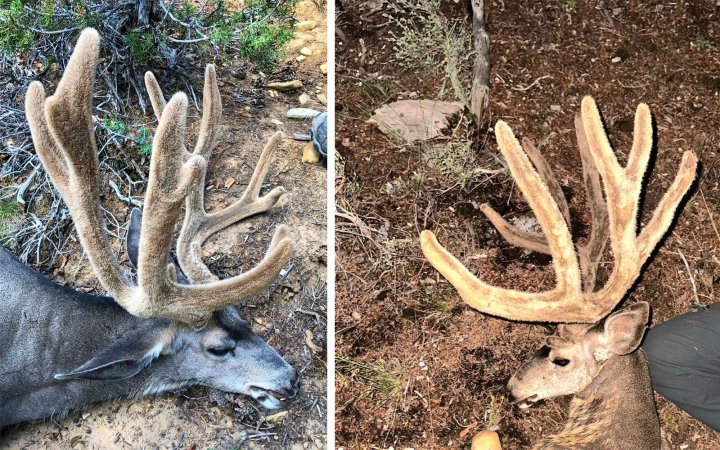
x=49, y=329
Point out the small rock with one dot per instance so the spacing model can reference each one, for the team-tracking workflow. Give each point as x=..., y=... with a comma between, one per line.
x=300, y=58
x=310, y=155
x=276, y=122
x=616, y=59
x=323, y=68
x=284, y=86
x=304, y=99
x=322, y=98
x=305, y=51
x=295, y=43
x=305, y=25
x=273, y=94
x=555, y=108
x=277, y=418
x=302, y=113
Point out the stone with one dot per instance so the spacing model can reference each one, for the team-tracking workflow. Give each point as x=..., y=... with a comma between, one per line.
x=302, y=113
x=323, y=68
x=284, y=86
x=415, y=120
x=310, y=155
x=277, y=417
x=300, y=58
x=305, y=25
x=305, y=51
x=322, y=98
x=276, y=122
x=304, y=99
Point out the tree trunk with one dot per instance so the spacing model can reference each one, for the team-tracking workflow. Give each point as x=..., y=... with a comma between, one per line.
x=479, y=95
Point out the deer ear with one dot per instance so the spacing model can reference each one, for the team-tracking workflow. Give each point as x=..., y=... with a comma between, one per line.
x=624, y=330
x=132, y=239
x=127, y=356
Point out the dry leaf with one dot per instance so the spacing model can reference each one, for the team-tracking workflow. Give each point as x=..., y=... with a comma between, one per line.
x=229, y=182
x=415, y=120
x=309, y=342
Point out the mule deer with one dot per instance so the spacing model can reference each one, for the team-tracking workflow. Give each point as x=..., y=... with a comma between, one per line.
x=594, y=354
x=63, y=349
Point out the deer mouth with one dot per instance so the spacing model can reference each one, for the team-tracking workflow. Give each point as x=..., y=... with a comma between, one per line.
x=271, y=398
x=527, y=402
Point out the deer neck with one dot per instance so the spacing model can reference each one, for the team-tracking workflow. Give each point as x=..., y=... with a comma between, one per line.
x=620, y=394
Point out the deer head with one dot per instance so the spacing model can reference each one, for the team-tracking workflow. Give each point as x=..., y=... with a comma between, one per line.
x=572, y=357
x=187, y=307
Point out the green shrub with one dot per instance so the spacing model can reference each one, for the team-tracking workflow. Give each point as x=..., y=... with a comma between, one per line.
x=258, y=31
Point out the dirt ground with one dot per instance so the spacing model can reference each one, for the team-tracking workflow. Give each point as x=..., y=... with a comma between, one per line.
x=418, y=368
x=198, y=417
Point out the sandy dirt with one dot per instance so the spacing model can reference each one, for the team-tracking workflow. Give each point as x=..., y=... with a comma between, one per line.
x=199, y=417
x=416, y=366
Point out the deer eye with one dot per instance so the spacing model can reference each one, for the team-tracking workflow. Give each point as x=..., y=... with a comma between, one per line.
x=561, y=362
x=222, y=351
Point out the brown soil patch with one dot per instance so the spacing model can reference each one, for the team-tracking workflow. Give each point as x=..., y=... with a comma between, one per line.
x=448, y=364
x=198, y=417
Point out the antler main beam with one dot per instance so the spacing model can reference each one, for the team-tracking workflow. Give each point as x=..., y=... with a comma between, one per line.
x=573, y=300
x=61, y=127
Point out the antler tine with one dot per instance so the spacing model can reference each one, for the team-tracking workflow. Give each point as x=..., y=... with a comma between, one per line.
x=590, y=254
x=61, y=128
x=567, y=303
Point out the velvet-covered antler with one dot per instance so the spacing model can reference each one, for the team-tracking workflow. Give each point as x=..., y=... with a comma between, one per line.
x=61, y=127
x=574, y=299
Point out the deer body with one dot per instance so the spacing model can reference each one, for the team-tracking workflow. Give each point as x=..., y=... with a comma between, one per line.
x=50, y=329
x=616, y=411
x=173, y=325
x=594, y=354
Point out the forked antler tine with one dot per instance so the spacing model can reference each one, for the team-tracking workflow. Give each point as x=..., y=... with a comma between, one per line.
x=61, y=127
x=211, y=114
x=589, y=255
x=199, y=225
x=554, y=227
x=508, y=303
x=623, y=185
x=195, y=300
x=532, y=241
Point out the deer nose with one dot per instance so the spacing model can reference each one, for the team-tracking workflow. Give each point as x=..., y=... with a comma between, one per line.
x=295, y=382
